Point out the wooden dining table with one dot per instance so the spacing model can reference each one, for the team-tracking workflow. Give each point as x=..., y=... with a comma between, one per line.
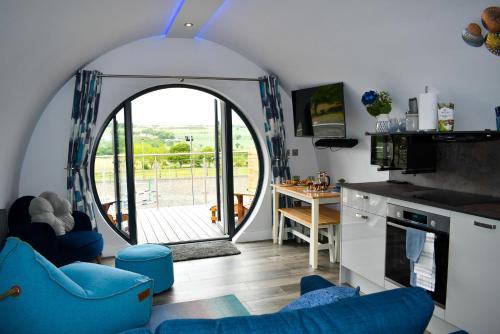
x=313, y=198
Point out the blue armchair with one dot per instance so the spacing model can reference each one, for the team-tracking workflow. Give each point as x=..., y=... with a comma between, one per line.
x=80, y=244
x=77, y=298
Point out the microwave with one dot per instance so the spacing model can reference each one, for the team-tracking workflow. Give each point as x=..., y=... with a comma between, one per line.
x=410, y=153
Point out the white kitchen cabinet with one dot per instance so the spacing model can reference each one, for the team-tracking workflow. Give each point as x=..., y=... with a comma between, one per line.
x=354, y=198
x=363, y=243
x=473, y=294
x=371, y=203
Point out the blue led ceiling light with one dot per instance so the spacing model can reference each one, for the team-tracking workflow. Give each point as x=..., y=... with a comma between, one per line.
x=214, y=17
x=174, y=16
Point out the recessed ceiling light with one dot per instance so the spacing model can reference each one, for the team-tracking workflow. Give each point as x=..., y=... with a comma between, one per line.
x=188, y=24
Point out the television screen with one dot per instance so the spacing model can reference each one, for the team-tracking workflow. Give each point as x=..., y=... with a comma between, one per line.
x=319, y=111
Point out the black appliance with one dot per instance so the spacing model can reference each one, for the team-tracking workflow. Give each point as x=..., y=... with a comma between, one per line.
x=397, y=266
x=319, y=111
x=410, y=153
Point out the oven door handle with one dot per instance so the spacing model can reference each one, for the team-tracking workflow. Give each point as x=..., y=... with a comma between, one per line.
x=407, y=227
x=397, y=226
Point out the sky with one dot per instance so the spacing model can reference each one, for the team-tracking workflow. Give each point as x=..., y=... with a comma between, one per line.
x=175, y=107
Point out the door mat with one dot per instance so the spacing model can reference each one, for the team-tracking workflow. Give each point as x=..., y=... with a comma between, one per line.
x=203, y=250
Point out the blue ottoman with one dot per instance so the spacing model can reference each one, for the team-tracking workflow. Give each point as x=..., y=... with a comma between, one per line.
x=154, y=261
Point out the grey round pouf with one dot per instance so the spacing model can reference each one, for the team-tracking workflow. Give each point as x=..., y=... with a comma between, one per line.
x=154, y=261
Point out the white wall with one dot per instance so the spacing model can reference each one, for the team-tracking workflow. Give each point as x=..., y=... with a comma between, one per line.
x=45, y=159
x=394, y=45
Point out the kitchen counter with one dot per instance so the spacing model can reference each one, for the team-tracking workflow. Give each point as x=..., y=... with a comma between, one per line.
x=473, y=204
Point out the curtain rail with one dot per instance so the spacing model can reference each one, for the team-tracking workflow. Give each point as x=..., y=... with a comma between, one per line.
x=181, y=78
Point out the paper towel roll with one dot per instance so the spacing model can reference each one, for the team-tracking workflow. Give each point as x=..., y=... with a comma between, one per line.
x=427, y=111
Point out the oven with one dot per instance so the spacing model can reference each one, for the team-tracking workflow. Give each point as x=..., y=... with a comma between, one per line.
x=397, y=266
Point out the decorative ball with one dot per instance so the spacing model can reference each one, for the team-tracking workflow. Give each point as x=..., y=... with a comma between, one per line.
x=472, y=35
x=491, y=19
x=474, y=29
x=493, y=43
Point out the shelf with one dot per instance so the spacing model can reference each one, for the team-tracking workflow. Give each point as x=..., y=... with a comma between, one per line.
x=336, y=142
x=452, y=136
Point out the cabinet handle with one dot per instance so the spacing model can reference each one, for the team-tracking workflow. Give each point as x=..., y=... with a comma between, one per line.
x=484, y=225
x=362, y=196
x=359, y=215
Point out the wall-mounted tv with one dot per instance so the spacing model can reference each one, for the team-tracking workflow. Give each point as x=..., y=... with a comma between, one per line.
x=319, y=111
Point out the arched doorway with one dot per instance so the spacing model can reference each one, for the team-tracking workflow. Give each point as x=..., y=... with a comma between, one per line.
x=176, y=163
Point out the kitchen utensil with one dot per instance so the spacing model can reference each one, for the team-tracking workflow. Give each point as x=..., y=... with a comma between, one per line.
x=411, y=122
x=413, y=105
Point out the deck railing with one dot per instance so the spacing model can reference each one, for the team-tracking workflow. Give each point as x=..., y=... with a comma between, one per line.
x=155, y=173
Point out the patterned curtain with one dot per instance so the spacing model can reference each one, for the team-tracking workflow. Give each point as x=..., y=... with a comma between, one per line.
x=83, y=118
x=274, y=127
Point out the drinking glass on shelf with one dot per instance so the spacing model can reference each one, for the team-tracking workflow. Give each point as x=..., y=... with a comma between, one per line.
x=402, y=124
x=393, y=125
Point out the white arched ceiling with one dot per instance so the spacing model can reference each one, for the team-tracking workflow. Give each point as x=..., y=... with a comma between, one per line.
x=42, y=43
x=319, y=40
x=399, y=45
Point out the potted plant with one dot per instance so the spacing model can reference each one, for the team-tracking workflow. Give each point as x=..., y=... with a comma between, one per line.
x=378, y=104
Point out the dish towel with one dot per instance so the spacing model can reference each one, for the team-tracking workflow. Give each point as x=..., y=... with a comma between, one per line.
x=425, y=267
x=415, y=240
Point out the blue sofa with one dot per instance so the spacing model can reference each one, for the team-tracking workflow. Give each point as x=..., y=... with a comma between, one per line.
x=398, y=311
x=76, y=298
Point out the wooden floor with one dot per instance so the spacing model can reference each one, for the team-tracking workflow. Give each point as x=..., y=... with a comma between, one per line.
x=265, y=277
x=174, y=224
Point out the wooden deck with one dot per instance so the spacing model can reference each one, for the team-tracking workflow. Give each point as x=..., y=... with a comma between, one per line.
x=175, y=224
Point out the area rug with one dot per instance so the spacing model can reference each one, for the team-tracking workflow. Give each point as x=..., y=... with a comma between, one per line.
x=202, y=250
x=213, y=308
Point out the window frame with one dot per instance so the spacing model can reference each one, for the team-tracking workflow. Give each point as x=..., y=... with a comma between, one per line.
x=126, y=106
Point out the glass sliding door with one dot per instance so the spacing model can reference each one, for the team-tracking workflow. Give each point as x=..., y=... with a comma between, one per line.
x=174, y=135
x=110, y=174
x=176, y=164
x=245, y=167
x=217, y=212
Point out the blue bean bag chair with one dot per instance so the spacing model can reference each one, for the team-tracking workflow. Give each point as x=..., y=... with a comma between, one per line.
x=76, y=298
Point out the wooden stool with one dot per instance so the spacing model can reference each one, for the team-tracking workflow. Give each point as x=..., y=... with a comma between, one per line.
x=328, y=219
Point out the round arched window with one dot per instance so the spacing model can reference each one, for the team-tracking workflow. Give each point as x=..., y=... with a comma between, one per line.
x=176, y=164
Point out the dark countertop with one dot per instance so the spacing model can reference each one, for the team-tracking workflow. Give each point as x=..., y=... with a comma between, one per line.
x=473, y=204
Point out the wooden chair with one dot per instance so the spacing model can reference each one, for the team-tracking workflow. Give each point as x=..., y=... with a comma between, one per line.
x=240, y=210
x=112, y=217
x=328, y=220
